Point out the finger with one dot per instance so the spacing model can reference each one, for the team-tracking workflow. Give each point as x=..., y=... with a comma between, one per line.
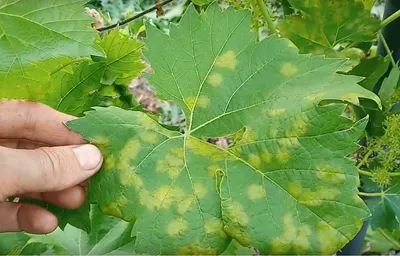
x=30, y=218
x=36, y=122
x=47, y=169
x=70, y=198
x=21, y=144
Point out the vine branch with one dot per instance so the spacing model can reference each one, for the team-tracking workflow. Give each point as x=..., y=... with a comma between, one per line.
x=266, y=15
x=370, y=194
x=390, y=19
x=137, y=16
x=365, y=158
x=388, y=51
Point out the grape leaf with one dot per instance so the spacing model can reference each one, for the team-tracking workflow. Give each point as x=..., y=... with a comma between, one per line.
x=107, y=235
x=368, y=4
x=285, y=187
x=327, y=23
x=372, y=69
x=38, y=38
x=386, y=209
x=201, y=2
x=78, y=87
x=389, y=85
x=379, y=243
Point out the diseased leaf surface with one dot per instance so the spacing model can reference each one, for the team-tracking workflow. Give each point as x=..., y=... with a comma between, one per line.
x=325, y=23
x=285, y=187
x=38, y=38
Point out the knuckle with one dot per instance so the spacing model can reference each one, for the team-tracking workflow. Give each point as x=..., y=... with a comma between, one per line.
x=54, y=164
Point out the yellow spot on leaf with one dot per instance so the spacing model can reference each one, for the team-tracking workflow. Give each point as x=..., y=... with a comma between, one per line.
x=295, y=189
x=185, y=205
x=172, y=163
x=204, y=149
x=196, y=249
x=100, y=140
x=289, y=142
x=235, y=213
x=314, y=96
x=318, y=197
x=289, y=69
x=212, y=170
x=177, y=226
x=199, y=190
x=227, y=60
x=164, y=197
x=273, y=132
x=203, y=101
x=115, y=208
x=328, y=239
x=109, y=163
x=256, y=192
x=215, y=79
x=266, y=156
x=237, y=233
x=254, y=160
x=280, y=245
x=214, y=225
x=330, y=174
x=128, y=153
x=299, y=126
x=190, y=102
x=147, y=122
x=282, y=156
x=149, y=136
x=275, y=112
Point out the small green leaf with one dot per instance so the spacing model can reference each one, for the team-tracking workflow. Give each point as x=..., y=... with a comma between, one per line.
x=123, y=58
x=323, y=24
x=38, y=38
x=389, y=85
x=285, y=187
x=372, y=69
x=386, y=210
x=378, y=243
x=202, y=2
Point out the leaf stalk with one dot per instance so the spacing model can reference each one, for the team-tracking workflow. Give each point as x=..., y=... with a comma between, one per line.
x=390, y=19
x=389, y=238
x=365, y=159
x=266, y=16
x=388, y=51
x=381, y=194
x=137, y=16
x=366, y=173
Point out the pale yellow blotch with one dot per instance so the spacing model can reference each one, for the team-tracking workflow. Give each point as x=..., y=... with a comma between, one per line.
x=135, y=181
x=318, y=197
x=204, y=149
x=236, y=214
x=196, y=249
x=177, y=151
x=190, y=102
x=215, y=79
x=214, y=225
x=125, y=175
x=178, y=194
x=236, y=232
x=314, y=96
x=185, y=205
x=358, y=201
x=295, y=189
x=147, y=122
x=273, y=132
x=275, y=112
x=227, y=60
x=328, y=239
x=109, y=163
x=289, y=69
x=177, y=226
x=282, y=156
x=279, y=246
x=289, y=142
x=289, y=229
x=147, y=200
x=203, y=101
x=164, y=197
x=352, y=98
x=331, y=177
x=212, y=170
x=256, y=192
x=301, y=243
x=128, y=153
x=172, y=164
x=149, y=136
x=100, y=140
x=299, y=126
x=199, y=190
x=266, y=156
x=111, y=209
x=254, y=160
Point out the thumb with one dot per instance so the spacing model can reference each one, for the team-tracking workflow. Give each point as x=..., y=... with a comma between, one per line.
x=47, y=169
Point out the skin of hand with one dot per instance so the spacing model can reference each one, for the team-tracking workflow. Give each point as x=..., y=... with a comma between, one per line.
x=40, y=158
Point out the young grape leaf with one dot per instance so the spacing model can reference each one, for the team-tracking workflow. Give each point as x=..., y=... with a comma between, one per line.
x=389, y=85
x=78, y=87
x=285, y=187
x=379, y=243
x=326, y=23
x=107, y=235
x=38, y=38
x=368, y=4
x=386, y=209
x=372, y=69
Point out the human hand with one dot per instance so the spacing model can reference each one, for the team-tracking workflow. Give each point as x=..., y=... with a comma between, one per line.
x=40, y=158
